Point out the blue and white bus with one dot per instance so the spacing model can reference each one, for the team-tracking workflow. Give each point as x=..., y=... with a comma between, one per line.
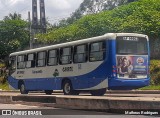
x=114, y=61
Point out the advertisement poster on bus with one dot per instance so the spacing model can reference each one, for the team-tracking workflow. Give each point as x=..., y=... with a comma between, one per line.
x=132, y=65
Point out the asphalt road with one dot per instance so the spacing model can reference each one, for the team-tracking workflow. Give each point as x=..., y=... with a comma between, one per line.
x=50, y=112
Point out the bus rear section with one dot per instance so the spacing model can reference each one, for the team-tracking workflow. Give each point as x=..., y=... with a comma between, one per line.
x=131, y=62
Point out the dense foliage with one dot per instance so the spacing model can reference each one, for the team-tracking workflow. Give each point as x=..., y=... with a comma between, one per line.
x=3, y=73
x=155, y=72
x=92, y=7
x=13, y=34
x=141, y=16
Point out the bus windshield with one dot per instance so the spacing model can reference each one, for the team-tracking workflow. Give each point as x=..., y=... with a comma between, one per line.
x=131, y=45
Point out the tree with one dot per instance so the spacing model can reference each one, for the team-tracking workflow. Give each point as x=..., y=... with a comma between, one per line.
x=137, y=17
x=91, y=7
x=13, y=35
x=131, y=1
x=13, y=16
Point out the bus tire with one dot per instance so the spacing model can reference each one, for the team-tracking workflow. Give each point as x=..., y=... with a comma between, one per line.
x=23, y=89
x=76, y=92
x=67, y=88
x=48, y=92
x=99, y=92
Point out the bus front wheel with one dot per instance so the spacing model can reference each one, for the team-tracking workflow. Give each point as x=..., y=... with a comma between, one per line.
x=23, y=89
x=99, y=92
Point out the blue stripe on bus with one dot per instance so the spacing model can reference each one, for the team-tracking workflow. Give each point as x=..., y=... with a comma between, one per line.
x=123, y=84
x=79, y=82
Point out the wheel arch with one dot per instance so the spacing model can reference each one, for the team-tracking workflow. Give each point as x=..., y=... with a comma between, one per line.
x=19, y=83
x=63, y=80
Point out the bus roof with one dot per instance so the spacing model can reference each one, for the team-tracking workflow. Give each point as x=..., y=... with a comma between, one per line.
x=111, y=36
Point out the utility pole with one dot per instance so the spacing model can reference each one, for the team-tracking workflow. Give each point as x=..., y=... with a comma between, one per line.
x=42, y=16
x=30, y=31
x=37, y=27
x=35, y=24
x=34, y=14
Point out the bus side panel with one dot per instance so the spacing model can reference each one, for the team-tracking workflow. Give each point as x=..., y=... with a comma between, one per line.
x=36, y=83
x=43, y=84
x=13, y=82
x=91, y=79
x=101, y=73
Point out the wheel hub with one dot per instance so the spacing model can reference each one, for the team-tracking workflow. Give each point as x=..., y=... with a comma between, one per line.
x=67, y=88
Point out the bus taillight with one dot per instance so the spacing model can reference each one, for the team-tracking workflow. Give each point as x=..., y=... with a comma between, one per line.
x=114, y=69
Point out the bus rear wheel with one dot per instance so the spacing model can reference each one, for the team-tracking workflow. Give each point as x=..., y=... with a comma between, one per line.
x=68, y=89
x=23, y=89
x=48, y=92
x=99, y=92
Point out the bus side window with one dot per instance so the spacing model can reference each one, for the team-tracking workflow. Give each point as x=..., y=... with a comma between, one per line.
x=30, y=61
x=80, y=54
x=97, y=51
x=21, y=62
x=65, y=55
x=52, y=58
x=41, y=59
x=12, y=65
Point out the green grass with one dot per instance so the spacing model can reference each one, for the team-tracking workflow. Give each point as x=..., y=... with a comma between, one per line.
x=4, y=86
x=151, y=87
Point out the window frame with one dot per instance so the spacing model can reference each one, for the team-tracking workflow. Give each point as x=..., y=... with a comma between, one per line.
x=56, y=57
x=71, y=55
x=102, y=50
x=34, y=60
x=44, y=58
x=12, y=64
x=84, y=54
x=135, y=44
x=24, y=61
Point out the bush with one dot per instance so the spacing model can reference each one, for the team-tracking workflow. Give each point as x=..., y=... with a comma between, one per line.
x=155, y=72
x=2, y=79
x=2, y=73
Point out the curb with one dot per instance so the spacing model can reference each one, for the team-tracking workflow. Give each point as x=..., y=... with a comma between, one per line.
x=41, y=99
x=134, y=91
x=6, y=99
x=109, y=104
x=112, y=104
x=107, y=92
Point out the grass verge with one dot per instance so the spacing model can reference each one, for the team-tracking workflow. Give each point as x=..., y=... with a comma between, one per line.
x=4, y=86
x=151, y=87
